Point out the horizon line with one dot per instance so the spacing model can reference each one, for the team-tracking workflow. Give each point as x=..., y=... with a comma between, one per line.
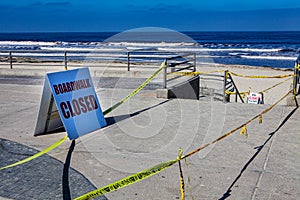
x=115, y=31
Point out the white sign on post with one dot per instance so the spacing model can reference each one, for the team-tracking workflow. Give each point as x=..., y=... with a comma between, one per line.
x=254, y=98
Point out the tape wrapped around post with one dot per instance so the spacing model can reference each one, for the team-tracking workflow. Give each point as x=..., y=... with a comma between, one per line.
x=181, y=174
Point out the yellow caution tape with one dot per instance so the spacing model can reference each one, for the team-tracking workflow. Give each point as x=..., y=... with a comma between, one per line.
x=244, y=131
x=237, y=128
x=258, y=76
x=163, y=65
x=228, y=92
x=160, y=167
x=260, y=119
x=153, y=170
x=243, y=95
x=180, y=153
x=226, y=74
x=263, y=91
x=297, y=67
x=181, y=173
x=182, y=186
x=56, y=144
x=276, y=85
x=53, y=146
x=128, y=180
x=235, y=74
x=194, y=73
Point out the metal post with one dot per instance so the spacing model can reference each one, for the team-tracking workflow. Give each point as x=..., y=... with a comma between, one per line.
x=295, y=81
x=165, y=75
x=262, y=98
x=297, y=74
x=195, y=62
x=66, y=60
x=224, y=87
x=128, y=61
x=236, y=89
x=10, y=60
x=296, y=77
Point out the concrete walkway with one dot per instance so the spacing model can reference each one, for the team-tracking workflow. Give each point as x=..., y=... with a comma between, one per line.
x=146, y=131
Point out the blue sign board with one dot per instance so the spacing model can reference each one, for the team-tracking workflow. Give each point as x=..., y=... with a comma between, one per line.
x=77, y=102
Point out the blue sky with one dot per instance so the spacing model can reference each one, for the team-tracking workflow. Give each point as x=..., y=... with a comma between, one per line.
x=181, y=15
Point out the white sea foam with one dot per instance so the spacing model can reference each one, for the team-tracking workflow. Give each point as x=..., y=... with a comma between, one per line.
x=130, y=46
x=81, y=49
x=238, y=54
x=219, y=50
x=141, y=51
x=270, y=57
x=27, y=43
x=151, y=44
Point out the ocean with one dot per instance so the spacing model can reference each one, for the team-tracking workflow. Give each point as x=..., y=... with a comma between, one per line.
x=264, y=49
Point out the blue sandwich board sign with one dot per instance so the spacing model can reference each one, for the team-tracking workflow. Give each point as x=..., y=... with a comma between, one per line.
x=76, y=101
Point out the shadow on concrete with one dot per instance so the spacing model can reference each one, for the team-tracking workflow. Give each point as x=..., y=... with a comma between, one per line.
x=65, y=176
x=112, y=120
x=258, y=150
x=40, y=178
